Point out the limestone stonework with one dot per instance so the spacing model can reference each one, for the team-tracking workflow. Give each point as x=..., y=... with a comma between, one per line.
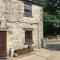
x=14, y=22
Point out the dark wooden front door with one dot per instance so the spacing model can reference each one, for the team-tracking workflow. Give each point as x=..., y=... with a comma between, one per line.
x=2, y=44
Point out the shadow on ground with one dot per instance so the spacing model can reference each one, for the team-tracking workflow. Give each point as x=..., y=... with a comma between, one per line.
x=53, y=47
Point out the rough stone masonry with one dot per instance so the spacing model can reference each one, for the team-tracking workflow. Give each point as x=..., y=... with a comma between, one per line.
x=13, y=21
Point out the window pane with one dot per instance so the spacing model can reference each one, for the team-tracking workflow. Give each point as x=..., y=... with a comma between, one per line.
x=28, y=36
x=27, y=7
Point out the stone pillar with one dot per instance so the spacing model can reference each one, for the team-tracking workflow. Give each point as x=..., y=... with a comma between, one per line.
x=40, y=34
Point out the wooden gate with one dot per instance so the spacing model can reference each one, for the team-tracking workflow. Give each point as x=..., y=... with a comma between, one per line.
x=2, y=44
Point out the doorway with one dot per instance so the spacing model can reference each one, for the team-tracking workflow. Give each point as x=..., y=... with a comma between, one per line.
x=3, y=49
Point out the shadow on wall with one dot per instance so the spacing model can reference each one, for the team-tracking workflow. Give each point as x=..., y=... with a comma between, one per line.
x=53, y=47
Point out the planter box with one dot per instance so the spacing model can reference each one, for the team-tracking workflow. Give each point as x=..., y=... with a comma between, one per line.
x=24, y=50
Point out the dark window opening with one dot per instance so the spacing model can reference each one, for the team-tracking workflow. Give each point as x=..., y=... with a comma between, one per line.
x=27, y=9
x=28, y=37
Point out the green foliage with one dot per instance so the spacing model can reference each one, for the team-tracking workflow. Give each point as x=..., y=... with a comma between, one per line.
x=51, y=16
x=41, y=2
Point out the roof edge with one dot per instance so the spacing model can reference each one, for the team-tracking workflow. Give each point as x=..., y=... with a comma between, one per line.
x=35, y=3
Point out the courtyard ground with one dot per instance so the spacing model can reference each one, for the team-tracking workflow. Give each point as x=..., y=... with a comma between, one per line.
x=39, y=54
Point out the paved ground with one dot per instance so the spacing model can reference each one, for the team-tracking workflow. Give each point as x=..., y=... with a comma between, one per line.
x=39, y=54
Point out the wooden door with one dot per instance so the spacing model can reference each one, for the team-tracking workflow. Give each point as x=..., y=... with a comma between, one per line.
x=2, y=44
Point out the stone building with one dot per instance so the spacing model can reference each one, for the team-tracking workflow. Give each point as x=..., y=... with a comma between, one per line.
x=21, y=25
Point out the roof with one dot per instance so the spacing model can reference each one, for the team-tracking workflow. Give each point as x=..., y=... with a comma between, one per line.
x=35, y=3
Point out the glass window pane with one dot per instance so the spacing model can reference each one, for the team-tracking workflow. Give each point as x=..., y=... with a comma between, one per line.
x=27, y=7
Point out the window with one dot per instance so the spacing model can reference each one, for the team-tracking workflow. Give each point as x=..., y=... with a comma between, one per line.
x=28, y=37
x=27, y=9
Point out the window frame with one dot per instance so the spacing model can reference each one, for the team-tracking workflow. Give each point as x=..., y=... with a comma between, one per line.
x=27, y=12
x=28, y=35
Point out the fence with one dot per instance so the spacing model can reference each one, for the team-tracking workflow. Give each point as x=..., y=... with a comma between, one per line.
x=50, y=40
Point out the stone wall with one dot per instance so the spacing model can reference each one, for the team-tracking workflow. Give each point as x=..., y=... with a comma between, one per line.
x=12, y=13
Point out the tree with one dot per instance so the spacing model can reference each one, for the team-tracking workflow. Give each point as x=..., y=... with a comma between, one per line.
x=51, y=16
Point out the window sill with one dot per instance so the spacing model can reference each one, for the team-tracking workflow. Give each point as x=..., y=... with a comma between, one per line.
x=28, y=43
